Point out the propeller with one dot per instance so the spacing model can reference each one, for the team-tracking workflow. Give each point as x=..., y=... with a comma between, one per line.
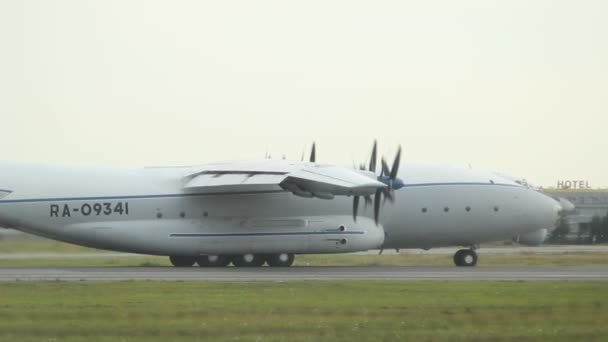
x=372, y=168
x=355, y=207
x=387, y=176
x=385, y=171
x=377, y=205
x=390, y=177
x=372, y=160
x=313, y=153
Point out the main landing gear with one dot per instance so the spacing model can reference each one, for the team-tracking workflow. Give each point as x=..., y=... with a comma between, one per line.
x=182, y=261
x=280, y=260
x=213, y=260
x=465, y=257
x=246, y=260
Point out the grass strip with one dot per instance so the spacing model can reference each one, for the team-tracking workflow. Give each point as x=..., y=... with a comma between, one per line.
x=303, y=311
x=514, y=259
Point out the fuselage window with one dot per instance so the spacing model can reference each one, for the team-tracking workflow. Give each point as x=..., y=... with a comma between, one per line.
x=424, y=210
x=468, y=208
x=446, y=209
x=496, y=208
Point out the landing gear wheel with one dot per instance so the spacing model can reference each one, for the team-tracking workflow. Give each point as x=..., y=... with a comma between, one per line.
x=182, y=261
x=248, y=260
x=465, y=257
x=213, y=260
x=280, y=260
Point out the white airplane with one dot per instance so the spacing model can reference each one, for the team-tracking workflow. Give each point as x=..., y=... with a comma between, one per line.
x=253, y=212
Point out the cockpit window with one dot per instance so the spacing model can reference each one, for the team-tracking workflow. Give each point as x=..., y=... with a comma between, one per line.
x=4, y=193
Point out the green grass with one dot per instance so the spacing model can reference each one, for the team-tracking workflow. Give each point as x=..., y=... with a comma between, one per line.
x=33, y=244
x=303, y=311
x=515, y=259
x=28, y=244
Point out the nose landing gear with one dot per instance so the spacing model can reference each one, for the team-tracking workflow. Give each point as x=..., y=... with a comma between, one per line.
x=465, y=257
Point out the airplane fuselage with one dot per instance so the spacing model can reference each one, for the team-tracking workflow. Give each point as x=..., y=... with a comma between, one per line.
x=148, y=211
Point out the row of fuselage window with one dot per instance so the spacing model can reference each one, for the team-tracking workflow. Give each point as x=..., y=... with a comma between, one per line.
x=447, y=209
x=424, y=211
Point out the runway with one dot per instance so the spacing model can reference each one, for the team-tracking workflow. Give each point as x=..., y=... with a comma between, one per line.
x=599, y=273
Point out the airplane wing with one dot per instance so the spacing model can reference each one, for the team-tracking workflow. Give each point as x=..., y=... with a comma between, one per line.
x=302, y=179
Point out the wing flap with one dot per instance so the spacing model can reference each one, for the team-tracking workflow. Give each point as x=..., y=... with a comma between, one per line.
x=327, y=182
x=234, y=182
x=302, y=179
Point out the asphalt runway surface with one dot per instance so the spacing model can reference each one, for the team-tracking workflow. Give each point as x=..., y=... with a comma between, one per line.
x=596, y=273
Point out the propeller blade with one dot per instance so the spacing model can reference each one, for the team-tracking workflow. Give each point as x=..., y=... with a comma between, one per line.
x=395, y=168
x=368, y=201
x=390, y=195
x=313, y=153
x=377, y=205
x=355, y=207
x=372, y=161
x=385, y=169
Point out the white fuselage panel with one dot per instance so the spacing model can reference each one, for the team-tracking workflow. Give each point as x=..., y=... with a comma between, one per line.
x=150, y=211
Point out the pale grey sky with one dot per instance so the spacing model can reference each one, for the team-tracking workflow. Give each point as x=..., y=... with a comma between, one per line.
x=519, y=87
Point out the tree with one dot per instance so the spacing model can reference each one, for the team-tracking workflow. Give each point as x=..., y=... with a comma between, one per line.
x=563, y=228
x=596, y=228
x=605, y=229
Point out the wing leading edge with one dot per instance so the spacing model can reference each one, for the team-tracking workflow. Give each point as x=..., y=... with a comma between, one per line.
x=301, y=179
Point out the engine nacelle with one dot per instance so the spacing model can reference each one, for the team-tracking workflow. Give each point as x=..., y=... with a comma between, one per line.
x=534, y=238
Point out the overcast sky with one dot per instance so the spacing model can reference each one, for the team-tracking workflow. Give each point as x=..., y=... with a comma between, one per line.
x=519, y=87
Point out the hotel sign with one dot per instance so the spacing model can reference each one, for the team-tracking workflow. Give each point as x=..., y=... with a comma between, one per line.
x=573, y=184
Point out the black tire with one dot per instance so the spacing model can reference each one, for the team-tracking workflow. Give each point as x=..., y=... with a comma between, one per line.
x=182, y=261
x=280, y=260
x=213, y=260
x=248, y=260
x=457, y=257
x=465, y=258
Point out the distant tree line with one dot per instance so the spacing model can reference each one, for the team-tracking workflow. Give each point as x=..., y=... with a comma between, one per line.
x=599, y=229
x=595, y=232
x=562, y=230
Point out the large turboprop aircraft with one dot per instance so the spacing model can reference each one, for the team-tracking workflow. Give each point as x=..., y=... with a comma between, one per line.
x=253, y=212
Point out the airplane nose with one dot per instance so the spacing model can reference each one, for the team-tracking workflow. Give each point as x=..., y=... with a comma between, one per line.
x=553, y=211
